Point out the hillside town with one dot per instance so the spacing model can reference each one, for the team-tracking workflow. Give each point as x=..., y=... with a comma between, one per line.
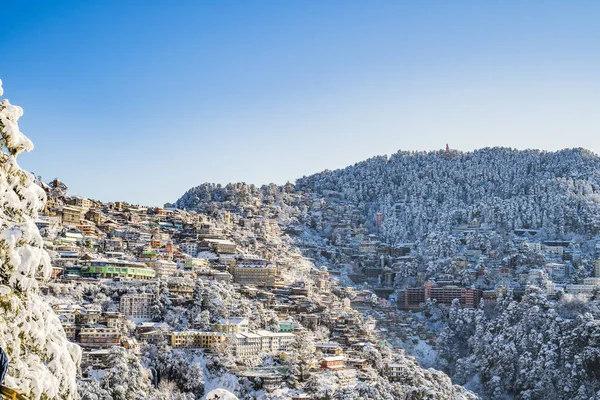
x=447, y=253
x=302, y=279
x=230, y=285
x=318, y=290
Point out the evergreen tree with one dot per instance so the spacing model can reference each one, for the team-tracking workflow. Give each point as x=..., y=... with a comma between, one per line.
x=125, y=378
x=301, y=356
x=43, y=364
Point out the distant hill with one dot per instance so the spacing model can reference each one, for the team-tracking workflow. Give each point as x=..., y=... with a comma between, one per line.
x=446, y=202
x=423, y=192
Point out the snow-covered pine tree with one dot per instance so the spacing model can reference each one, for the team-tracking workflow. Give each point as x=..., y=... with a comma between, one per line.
x=43, y=363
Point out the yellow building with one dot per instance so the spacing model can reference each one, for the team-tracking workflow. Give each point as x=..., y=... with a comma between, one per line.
x=94, y=215
x=72, y=215
x=82, y=202
x=254, y=272
x=194, y=264
x=196, y=339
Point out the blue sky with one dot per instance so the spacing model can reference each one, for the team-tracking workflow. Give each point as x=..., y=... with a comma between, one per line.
x=141, y=100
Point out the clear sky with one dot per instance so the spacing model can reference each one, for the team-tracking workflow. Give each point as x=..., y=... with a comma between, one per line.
x=141, y=100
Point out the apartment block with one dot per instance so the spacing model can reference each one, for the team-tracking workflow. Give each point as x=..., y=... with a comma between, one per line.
x=72, y=215
x=254, y=272
x=251, y=344
x=99, y=337
x=195, y=339
x=411, y=298
x=137, y=305
x=232, y=325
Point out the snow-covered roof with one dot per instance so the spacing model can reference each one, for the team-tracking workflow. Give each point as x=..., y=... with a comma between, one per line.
x=220, y=394
x=334, y=358
x=233, y=321
x=264, y=333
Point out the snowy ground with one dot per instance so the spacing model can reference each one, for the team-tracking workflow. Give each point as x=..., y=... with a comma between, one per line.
x=423, y=352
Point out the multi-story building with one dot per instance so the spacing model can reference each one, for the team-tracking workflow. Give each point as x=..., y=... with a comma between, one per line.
x=189, y=248
x=148, y=256
x=99, y=337
x=111, y=268
x=556, y=250
x=597, y=268
x=582, y=289
x=357, y=363
x=232, y=325
x=113, y=244
x=245, y=345
x=286, y=326
x=72, y=215
x=333, y=349
x=591, y=281
x=274, y=342
x=164, y=268
x=254, y=272
x=181, y=287
x=219, y=246
x=82, y=202
x=193, y=264
x=87, y=228
x=95, y=216
x=112, y=319
x=207, y=231
x=68, y=323
x=535, y=246
x=136, y=305
x=250, y=344
x=411, y=298
x=332, y=363
x=395, y=372
x=322, y=281
x=196, y=339
x=154, y=337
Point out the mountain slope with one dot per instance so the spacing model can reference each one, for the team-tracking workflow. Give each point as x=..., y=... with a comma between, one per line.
x=422, y=192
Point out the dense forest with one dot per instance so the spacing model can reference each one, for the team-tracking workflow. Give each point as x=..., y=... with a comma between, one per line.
x=530, y=347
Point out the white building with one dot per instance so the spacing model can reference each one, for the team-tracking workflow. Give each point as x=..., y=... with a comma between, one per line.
x=536, y=275
x=580, y=289
x=136, y=305
x=275, y=342
x=597, y=268
x=592, y=281
x=556, y=270
x=395, y=372
x=189, y=248
x=245, y=345
x=165, y=268
x=249, y=344
x=531, y=246
x=232, y=325
x=556, y=250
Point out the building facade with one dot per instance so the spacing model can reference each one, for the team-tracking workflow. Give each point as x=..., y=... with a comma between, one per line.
x=136, y=305
x=195, y=339
x=254, y=272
